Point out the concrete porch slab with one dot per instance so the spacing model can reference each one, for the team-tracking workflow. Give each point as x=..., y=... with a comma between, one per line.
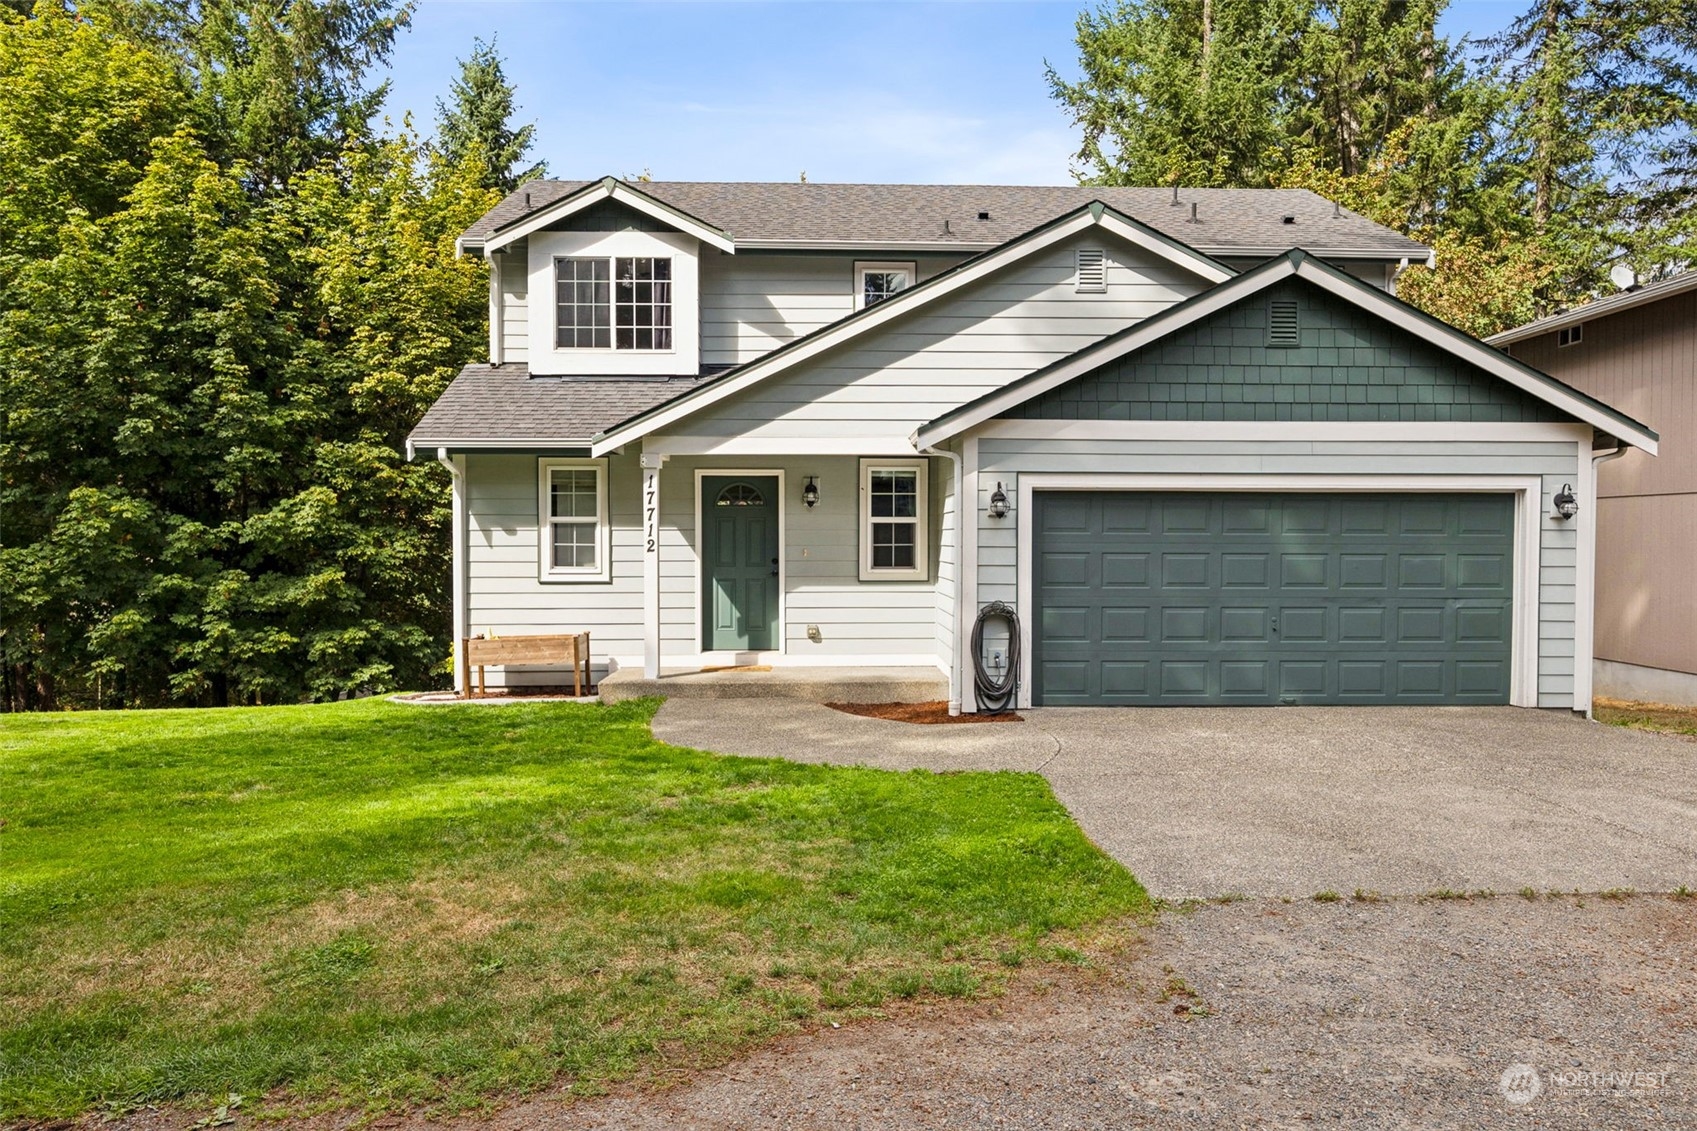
x=814, y=684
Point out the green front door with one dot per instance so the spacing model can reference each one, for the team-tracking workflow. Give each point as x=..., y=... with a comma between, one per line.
x=1200, y=598
x=739, y=555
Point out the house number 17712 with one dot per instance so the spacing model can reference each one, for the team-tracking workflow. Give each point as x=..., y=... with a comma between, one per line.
x=650, y=523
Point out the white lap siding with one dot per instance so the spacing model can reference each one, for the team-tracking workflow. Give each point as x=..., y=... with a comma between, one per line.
x=1554, y=462
x=873, y=622
x=914, y=370
x=752, y=303
x=515, y=302
x=504, y=596
x=859, y=621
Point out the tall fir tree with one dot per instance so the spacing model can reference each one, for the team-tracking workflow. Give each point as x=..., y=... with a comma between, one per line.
x=476, y=124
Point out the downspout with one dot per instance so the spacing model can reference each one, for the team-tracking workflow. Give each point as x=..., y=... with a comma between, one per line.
x=462, y=675
x=960, y=566
x=1596, y=499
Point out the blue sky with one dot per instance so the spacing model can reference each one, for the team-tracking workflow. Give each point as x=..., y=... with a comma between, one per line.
x=881, y=92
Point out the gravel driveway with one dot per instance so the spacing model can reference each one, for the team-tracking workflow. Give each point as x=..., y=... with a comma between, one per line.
x=1291, y=801
x=1396, y=1014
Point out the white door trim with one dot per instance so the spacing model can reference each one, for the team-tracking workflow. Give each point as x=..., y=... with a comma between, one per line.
x=731, y=657
x=1527, y=489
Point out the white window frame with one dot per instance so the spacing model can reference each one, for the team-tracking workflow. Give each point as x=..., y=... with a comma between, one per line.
x=546, y=570
x=1573, y=335
x=862, y=269
x=921, y=521
x=612, y=346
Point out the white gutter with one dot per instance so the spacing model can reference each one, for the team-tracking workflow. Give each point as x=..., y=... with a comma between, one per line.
x=460, y=540
x=955, y=673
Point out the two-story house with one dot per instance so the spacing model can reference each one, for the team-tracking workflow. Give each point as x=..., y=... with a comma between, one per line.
x=812, y=424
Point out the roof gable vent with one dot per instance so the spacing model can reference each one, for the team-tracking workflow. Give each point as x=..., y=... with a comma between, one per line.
x=1092, y=271
x=1284, y=328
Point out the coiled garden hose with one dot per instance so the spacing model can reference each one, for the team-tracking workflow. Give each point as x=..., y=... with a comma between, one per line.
x=996, y=693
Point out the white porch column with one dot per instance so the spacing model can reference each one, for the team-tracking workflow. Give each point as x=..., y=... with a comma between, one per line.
x=651, y=465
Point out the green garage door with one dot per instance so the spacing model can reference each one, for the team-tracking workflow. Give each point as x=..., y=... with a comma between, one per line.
x=1198, y=598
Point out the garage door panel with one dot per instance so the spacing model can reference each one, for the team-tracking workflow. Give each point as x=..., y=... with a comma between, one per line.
x=1184, y=679
x=1062, y=570
x=1140, y=598
x=1185, y=571
x=1241, y=624
x=1245, y=571
x=1123, y=570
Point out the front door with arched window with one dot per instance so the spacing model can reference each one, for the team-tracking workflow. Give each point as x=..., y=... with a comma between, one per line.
x=739, y=563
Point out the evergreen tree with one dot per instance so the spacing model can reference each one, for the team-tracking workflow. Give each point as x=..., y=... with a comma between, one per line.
x=1604, y=106
x=477, y=127
x=279, y=85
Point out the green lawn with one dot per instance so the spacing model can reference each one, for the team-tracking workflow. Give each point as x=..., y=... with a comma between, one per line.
x=382, y=904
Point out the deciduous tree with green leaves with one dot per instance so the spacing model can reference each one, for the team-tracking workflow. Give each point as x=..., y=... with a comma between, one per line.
x=207, y=375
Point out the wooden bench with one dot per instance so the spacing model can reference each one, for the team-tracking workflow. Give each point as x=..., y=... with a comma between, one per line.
x=570, y=649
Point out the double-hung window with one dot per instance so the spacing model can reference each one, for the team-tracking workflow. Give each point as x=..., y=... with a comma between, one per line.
x=893, y=543
x=573, y=520
x=619, y=303
x=875, y=282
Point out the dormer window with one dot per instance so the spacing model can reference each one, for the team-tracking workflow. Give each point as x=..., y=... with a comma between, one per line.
x=620, y=303
x=875, y=282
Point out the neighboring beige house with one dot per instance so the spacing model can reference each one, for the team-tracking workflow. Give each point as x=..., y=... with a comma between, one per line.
x=1637, y=350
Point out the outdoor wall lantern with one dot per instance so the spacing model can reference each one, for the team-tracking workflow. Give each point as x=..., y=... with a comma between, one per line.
x=1566, y=505
x=810, y=493
x=998, y=502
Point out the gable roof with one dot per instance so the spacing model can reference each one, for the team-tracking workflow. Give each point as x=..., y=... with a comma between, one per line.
x=1249, y=223
x=1598, y=308
x=503, y=406
x=1344, y=286
x=588, y=195
x=1094, y=214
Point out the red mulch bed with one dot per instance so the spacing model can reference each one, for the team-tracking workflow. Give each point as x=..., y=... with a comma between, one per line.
x=936, y=711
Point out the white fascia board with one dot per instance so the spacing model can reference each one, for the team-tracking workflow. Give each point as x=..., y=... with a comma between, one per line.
x=1478, y=353
x=1386, y=255
x=1188, y=258
x=866, y=320
x=504, y=443
x=1090, y=357
x=610, y=189
x=686, y=445
x=965, y=247
x=1297, y=431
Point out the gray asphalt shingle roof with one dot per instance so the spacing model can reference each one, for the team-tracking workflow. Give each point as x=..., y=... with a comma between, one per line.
x=504, y=403
x=1245, y=221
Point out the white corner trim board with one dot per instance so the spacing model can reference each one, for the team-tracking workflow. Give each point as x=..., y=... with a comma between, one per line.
x=1527, y=489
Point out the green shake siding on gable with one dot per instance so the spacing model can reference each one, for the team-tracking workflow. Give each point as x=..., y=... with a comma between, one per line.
x=1347, y=366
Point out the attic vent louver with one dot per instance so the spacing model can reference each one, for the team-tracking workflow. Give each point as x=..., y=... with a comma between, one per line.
x=1283, y=327
x=1092, y=271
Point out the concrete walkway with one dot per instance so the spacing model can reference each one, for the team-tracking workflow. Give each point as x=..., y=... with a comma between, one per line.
x=1298, y=800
